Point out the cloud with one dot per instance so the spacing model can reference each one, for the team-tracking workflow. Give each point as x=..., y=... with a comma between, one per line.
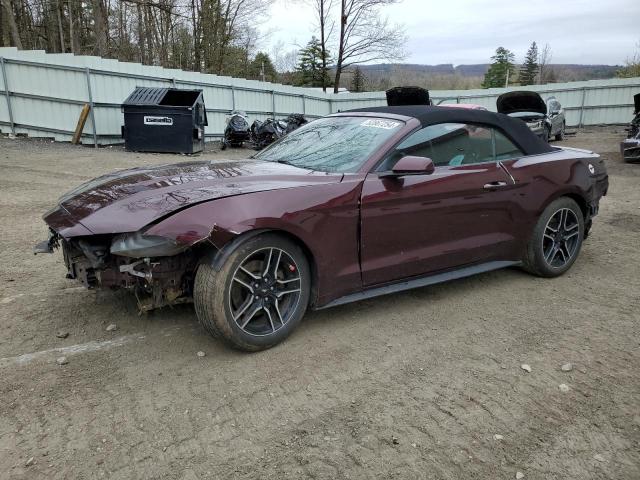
x=469, y=31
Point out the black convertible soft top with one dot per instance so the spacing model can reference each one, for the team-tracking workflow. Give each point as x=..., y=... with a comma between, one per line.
x=515, y=129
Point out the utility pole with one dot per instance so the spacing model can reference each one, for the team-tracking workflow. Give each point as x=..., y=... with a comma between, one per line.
x=506, y=80
x=262, y=71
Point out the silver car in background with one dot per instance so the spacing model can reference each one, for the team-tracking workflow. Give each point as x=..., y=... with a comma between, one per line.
x=545, y=119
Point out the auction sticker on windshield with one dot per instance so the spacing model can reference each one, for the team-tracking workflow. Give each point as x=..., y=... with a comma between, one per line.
x=377, y=123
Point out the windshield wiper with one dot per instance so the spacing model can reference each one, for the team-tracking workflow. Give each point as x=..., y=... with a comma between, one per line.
x=280, y=160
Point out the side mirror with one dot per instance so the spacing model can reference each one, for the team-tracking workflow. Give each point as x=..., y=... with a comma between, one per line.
x=411, y=165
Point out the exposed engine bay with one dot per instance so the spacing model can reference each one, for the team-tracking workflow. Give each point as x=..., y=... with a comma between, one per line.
x=156, y=281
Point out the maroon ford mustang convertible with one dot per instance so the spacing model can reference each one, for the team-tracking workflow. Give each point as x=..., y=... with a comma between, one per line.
x=350, y=206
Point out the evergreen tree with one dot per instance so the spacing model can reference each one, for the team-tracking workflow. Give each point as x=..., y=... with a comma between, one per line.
x=310, y=71
x=530, y=67
x=261, y=62
x=501, y=67
x=358, y=80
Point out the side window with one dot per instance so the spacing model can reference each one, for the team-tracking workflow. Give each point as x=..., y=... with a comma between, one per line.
x=452, y=144
x=505, y=149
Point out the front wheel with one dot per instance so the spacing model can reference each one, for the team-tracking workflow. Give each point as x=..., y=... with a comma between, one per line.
x=556, y=239
x=560, y=135
x=259, y=295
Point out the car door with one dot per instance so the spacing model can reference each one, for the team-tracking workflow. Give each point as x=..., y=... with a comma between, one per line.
x=458, y=215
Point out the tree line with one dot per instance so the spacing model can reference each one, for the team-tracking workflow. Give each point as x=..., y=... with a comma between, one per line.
x=535, y=69
x=212, y=36
x=223, y=37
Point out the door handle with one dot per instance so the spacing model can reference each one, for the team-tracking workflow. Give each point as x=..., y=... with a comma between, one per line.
x=494, y=185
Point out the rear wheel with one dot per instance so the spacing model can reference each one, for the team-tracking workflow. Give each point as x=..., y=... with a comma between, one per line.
x=556, y=240
x=259, y=295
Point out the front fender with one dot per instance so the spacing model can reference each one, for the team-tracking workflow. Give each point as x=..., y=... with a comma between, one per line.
x=324, y=218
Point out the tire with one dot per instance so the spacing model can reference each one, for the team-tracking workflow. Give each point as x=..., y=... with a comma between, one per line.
x=547, y=134
x=544, y=239
x=223, y=144
x=224, y=299
x=560, y=135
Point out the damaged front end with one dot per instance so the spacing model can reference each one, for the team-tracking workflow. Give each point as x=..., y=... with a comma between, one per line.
x=630, y=149
x=158, y=270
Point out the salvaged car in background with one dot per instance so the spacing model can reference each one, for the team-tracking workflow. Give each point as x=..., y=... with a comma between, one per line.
x=630, y=147
x=555, y=121
x=546, y=120
x=350, y=206
x=634, y=125
x=399, y=96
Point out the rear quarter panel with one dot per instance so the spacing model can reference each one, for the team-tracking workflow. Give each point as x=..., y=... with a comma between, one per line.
x=540, y=179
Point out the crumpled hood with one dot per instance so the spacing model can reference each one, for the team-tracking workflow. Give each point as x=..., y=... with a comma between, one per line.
x=126, y=201
x=521, y=101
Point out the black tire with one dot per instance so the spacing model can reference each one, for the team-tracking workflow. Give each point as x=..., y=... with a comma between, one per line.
x=547, y=134
x=223, y=144
x=541, y=243
x=560, y=135
x=216, y=293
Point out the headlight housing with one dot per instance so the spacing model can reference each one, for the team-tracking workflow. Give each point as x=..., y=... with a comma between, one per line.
x=138, y=245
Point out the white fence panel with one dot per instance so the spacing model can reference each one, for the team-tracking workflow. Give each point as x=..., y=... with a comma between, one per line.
x=47, y=92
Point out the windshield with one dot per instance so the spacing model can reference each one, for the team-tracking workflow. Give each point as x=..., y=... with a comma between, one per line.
x=332, y=144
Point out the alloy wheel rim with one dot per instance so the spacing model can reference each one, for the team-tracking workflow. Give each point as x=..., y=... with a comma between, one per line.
x=561, y=238
x=264, y=291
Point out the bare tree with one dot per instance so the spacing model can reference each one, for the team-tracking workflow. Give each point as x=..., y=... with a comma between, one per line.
x=544, y=59
x=365, y=36
x=632, y=65
x=323, y=10
x=11, y=20
x=215, y=36
x=283, y=61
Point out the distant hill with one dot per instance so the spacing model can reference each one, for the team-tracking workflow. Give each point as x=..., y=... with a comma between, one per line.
x=564, y=72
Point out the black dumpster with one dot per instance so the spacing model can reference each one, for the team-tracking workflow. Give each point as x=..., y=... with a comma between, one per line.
x=164, y=120
x=407, y=96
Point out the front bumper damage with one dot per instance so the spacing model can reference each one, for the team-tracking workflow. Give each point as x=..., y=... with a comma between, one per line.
x=156, y=281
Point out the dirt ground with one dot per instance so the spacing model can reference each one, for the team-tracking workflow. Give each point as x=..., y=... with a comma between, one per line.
x=425, y=384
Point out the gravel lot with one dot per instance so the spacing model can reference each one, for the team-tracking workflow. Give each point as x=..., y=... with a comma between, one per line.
x=423, y=384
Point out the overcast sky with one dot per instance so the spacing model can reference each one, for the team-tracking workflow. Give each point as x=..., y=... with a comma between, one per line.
x=468, y=31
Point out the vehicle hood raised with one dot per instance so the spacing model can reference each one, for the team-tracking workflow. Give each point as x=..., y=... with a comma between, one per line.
x=521, y=101
x=128, y=200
